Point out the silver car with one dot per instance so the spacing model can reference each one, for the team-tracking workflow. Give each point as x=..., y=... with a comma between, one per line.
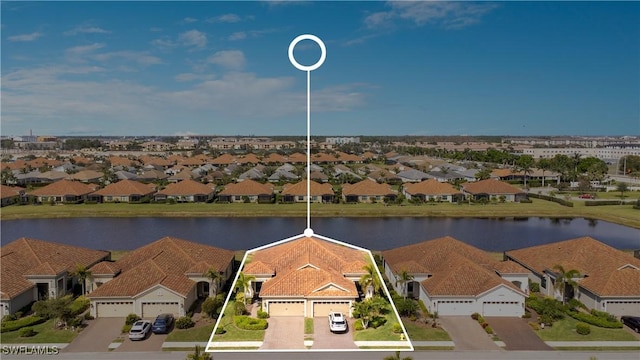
x=337, y=322
x=140, y=330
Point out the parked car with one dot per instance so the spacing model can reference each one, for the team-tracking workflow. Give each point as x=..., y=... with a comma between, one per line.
x=337, y=322
x=632, y=322
x=162, y=324
x=586, y=196
x=140, y=330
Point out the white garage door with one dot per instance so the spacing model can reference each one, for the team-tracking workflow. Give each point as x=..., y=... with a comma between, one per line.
x=323, y=308
x=454, y=307
x=114, y=308
x=153, y=309
x=502, y=308
x=286, y=308
x=620, y=308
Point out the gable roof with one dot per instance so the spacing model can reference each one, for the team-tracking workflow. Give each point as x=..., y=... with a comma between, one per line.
x=490, y=186
x=308, y=266
x=26, y=256
x=126, y=187
x=187, y=187
x=64, y=187
x=247, y=187
x=300, y=188
x=10, y=191
x=164, y=262
x=603, y=265
x=224, y=159
x=367, y=187
x=274, y=158
x=431, y=187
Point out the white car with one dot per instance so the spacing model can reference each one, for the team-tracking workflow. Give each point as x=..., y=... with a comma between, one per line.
x=140, y=330
x=337, y=322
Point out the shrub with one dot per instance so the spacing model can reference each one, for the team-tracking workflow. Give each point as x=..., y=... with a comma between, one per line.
x=423, y=308
x=8, y=318
x=263, y=314
x=358, y=325
x=604, y=315
x=583, y=329
x=131, y=318
x=526, y=201
x=248, y=323
x=377, y=321
x=475, y=316
x=80, y=305
x=527, y=314
x=480, y=319
x=488, y=329
x=397, y=329
x=87, y=316
x=534, y=287
x=27, y=332
x=185, y=322
x=75, y=321
x=13, y=325
x=126, y=328
x=534, y=325
x=406, y=307
x=596, y=320
x=551, y=198
x=484, y=325
x=575, y=304
x=413, y=317
x=220, y=330
x=18, y=315
x=240, y=308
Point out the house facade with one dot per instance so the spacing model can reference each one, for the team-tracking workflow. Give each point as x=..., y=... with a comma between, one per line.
x=320, y=193
x=609, y=278
x=34, y=269
x=454, y=278
x=186, y=191
x=431, y=190
x=306, y=276
x=490, y=189
x=367, y=191
x=247, y=190
x=123, y=191
x=166, y=276
x=65, y=191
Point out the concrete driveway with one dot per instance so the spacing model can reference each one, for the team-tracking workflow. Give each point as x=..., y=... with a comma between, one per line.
x=323, y=338
x=151, y=343
x=97, y=335
x=284, y=332
x=467, y=334
x=516, y=333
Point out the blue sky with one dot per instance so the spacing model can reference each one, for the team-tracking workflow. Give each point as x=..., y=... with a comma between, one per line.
x=392, y=68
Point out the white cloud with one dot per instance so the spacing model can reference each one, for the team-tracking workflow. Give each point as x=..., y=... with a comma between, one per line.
x=193, y=38
x=228, y=59
x=139, y=57
x=25, y=37
x=189, y=20
x=164, y=43
x=184, y=77
x=239, y=35
x=226, y=18
x=83, y=49
x=449, y=15
x=87, y=30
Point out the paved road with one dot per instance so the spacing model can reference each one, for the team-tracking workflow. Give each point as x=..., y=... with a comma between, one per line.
x=516, y=333
x=97, y=335
x=467, y=334
x=284, y=332
x=151, y=343
x=359, y=355
x=325, y=339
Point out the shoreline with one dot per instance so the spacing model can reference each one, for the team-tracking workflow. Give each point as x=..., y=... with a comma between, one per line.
x=619, y=214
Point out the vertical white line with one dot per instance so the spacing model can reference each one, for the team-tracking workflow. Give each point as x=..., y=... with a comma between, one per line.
x=308, y=149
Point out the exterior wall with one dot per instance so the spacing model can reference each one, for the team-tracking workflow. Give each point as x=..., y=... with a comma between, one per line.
x=522, y=278
x=467, y=305
x=5, y=308
x=588, y=298
x=160, y=294
x=18, y=302
x=502, y=294
x=92, y=283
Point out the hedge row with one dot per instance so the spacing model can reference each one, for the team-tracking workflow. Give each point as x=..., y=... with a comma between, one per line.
x=551, y=198
x=607, y=202
x=595, y=320
x=248, y=323
x=20, y=323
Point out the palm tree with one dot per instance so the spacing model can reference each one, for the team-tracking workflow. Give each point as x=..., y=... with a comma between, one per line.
x=370, y=280
x=402, y=279
x=243, y=284
x=215, y=277
x=198, y=354
x=397, y=357
x=564, y=279
x=82, y=273
x=622, y=187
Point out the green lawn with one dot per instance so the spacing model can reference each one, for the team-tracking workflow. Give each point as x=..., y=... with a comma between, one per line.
x=621, y=214
x=565, y=330
x=422, y=332
x=46, y=334
x=233, y=333
x=382, y=333
x=202, y=333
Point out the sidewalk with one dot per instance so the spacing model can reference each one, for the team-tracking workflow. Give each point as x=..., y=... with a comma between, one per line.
x=602, y=344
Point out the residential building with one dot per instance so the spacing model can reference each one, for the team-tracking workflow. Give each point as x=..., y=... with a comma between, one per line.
x=320, y=193
x=124, y=191
x=246, y=191
x=492, y=189
x=367, y=191
x=186, y=191
x=11, y=195
x=432, y=190
x=67, y=191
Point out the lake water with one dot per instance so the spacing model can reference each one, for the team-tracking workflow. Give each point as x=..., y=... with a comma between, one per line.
x=371, y=233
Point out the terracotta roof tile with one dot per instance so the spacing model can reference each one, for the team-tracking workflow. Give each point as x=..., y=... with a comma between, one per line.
x=431, y=187
x=367, y=187
x=187, y=187
x=124, y=188
x=297, y=158
x=224, y=159
x=64, y=187
x=490, y=186
x=105, y=268
x=247, y=187
x=249, y=159
x=300, y=188
x=10, y=191
x=274, y=158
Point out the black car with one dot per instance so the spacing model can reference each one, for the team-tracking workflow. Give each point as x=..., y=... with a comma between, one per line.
x=631, y=321
x=162, y=324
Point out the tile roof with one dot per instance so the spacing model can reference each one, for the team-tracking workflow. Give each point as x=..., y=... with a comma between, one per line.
x=224, y=159
x=367, y=187
x=610, y=272
x=274, y=158
x=126, y=187
x=344, y=157
x=87, y=175
x=249, y=159
x=10, y=191
x=297, y=158
x=308, y=267
x=64, y=187
x=123, y=161
x=455, y=268
x=163, y=262
x=27, y=256
x=187, y=187
x=490, y=186
x=323, y=157
x=431, y=187
x=247, y=187
x=105, y=268
x=300, y=188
